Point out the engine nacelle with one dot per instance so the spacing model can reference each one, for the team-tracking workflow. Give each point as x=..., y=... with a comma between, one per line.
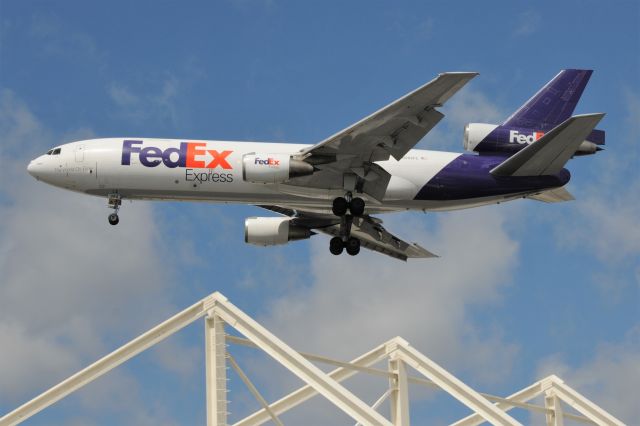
x=474, y=133
x=271, y=231
x=273, y=168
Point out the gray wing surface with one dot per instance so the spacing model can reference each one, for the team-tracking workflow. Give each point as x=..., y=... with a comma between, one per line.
x=391, y=131
x=367, y=229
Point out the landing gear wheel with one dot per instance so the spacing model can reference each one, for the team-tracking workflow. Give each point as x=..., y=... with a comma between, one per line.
x=353, y=246
x=114, y=219
x=336, y=246
x=114, y=201
x=357, y=206
x=340, y=206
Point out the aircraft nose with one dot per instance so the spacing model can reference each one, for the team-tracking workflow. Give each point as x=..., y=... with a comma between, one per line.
x=34, y=168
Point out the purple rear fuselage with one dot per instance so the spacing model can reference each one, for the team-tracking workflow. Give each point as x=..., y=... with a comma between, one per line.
x=468, y=177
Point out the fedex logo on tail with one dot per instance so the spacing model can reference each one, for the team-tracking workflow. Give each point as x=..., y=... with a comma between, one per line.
x=188, y=154
x=517, y=137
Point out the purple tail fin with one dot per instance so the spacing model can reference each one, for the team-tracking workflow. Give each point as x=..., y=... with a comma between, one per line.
x=553, y=104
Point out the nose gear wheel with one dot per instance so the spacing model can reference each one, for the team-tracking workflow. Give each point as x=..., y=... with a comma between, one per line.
x=114, y=202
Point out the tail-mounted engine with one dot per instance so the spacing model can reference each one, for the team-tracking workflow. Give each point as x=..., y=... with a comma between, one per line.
x=493, y=138
x=273, y=168
x=271, y=231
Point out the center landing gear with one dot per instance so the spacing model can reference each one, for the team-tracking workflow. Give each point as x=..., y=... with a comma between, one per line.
x=352, y=245
x=114, y=202
x=340, y=206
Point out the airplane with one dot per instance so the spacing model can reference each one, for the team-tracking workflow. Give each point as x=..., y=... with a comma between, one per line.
x=336, y=186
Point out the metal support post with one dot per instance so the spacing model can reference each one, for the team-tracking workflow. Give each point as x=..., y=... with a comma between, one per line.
x=216, y=370
x=551, y=401
x=399, y=396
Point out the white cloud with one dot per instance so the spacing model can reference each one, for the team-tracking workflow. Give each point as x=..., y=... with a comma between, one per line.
x=527, y=23
x=353, y=304
x=17, y=124
x=605, y=215
x=466, y=106
x=26, y=359
x=72, y=287
x=361, y=300
x=60, y=40
x=607, y=223
x=610, y=378
x=158, y=104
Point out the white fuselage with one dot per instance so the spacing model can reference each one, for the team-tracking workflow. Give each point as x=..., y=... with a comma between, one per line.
x=213, y=171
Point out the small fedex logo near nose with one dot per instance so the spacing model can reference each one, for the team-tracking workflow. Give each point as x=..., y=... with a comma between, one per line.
x=267, y=161
x=188, y=154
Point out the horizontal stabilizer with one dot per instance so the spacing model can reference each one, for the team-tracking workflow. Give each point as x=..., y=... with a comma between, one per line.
x=597, y=137
x=556, y=195
x=549, y=154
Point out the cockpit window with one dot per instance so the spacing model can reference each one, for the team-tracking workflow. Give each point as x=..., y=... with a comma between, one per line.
x=49, y=152
x=56, y=151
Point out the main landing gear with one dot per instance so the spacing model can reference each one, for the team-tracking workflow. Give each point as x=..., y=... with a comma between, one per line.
x=352, y=245
x=342, y=204
x=114, y=202
x=345, y=241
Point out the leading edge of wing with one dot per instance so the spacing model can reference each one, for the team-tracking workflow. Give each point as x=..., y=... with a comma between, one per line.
x=448, y=83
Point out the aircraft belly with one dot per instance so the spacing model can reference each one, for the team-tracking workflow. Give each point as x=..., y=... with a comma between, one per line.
x=467, y=178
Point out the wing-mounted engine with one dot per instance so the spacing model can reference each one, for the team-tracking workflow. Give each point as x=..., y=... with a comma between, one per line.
x=271, y=231
x=501, y=139
x=273, y=168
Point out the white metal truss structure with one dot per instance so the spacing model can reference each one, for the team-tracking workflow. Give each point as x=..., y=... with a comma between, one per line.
x=218, y=312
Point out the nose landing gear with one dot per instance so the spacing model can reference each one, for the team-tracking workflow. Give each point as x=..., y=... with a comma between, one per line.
x=340, y=207
x=114, y=202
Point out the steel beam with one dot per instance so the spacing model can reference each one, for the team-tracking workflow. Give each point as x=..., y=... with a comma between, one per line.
x=399, y=352
x=215, y=370
x=298, y=365
x=452, y=385
x=582, y=405
x=107, y=363
x=254, y=391
x=306, y=392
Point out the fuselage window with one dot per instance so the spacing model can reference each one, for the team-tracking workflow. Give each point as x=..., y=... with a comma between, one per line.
x=56, y=151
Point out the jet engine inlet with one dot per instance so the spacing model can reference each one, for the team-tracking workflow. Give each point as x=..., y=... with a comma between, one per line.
x=271, y=231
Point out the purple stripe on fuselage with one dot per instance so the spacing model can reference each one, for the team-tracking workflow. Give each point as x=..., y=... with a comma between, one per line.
x=468, y=177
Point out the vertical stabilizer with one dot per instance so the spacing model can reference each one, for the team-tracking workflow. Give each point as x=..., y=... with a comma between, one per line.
x=553, y=104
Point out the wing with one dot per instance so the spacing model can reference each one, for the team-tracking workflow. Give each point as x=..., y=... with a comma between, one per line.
x=367, y=229
x=391, y=131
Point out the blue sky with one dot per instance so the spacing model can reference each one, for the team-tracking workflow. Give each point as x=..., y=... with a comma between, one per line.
x=521, y=290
